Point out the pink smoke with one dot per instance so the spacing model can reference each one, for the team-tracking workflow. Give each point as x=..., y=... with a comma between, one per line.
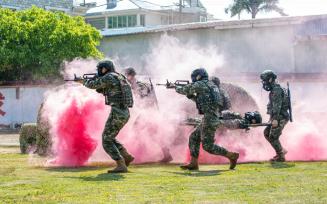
x=148, y=129
x=74, y=145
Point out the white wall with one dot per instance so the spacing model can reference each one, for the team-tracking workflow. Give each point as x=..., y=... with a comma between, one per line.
x=22, y=109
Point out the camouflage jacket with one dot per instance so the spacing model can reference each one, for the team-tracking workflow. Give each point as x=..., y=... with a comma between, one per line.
x=145, y=94
x=109, y=85
x=141, y=89
x=278, y=105
x=201, y=93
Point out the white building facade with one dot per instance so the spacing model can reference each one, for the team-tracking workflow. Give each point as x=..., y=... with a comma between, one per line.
x=128, y=14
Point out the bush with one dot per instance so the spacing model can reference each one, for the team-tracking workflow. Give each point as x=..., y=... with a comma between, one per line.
x=27, y=137
x=34, y=43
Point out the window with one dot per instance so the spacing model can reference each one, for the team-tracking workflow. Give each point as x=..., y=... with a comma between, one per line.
x=142, y=20
x=98, y=23
x=131, y=21
x=114, y=22
x=121, y=21
x=110, y=22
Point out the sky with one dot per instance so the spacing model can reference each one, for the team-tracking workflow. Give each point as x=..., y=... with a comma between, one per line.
x=291, y=7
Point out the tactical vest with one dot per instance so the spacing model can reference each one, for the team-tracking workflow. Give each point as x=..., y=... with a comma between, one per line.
x=209, y=99
x=121, y=93
x=285, y=104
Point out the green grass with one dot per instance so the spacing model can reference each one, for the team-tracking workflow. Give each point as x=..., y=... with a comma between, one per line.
x=250, y=183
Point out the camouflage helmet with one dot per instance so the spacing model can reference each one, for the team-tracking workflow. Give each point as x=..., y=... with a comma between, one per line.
x=215, y=80
x=199, y=74
x=130, y=71
x=108, y=64
x=267, y=75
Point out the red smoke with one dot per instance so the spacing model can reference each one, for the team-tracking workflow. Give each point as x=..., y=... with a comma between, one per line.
x=74, y=145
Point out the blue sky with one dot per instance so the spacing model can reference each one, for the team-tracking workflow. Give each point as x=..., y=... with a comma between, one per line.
x=291, y=7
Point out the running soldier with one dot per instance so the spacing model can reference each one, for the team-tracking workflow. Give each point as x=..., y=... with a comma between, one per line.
x=207, y=98
x=277, y=108
x=118, y=95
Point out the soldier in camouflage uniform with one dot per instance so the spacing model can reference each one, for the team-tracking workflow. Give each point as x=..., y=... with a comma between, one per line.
x=277, y=108
x=145, y=93
x=110, y=83
x=206, y=95
x=226, y=102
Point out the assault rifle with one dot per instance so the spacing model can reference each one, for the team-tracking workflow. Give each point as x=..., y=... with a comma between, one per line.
x=91, y=76
x=171, y=85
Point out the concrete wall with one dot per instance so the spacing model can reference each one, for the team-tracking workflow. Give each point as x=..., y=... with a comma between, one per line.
x=245, y=49
x=21, y=104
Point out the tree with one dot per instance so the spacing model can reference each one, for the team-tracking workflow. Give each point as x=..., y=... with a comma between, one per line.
x=34, y=43
x=254, y=7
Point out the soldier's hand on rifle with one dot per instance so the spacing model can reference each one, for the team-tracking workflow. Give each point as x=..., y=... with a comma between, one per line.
x=274, y=123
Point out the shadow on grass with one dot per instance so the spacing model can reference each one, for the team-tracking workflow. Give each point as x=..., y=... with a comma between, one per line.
x=77, y=169
x=100, y=177
x=200, y=173
x=281, y=165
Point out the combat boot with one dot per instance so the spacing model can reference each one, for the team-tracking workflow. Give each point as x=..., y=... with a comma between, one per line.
x=280, y=157
x=127, y=157
x=120, y=168
x=233, y=157
x=193, y=165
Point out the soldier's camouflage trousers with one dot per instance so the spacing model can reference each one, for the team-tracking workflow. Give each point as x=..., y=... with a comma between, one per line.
x=116, y=121
x=205, y=133
x=272, y=135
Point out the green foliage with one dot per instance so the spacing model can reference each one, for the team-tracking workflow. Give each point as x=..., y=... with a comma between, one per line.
x=253, y=7
x=251, y=183
x=34, y=43
x=27, y=137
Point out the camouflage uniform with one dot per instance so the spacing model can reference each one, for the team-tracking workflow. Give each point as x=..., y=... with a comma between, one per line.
x=148, y=99
x=119, y=115
x=141, y=89
x=277, y=108
x=205, y=132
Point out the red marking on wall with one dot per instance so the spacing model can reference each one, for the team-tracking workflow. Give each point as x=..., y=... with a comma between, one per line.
x=2, y=113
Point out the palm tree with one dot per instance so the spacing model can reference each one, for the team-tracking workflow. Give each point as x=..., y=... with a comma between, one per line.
x=254, y=7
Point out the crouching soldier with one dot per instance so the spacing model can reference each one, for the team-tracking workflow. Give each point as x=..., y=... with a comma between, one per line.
x=206, y=95
x=277, y=108
x=118, y=95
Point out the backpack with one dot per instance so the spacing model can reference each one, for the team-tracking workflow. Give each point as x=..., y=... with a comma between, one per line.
x=127, y=95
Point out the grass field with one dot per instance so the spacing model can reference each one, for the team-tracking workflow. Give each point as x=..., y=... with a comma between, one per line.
x=250, y=183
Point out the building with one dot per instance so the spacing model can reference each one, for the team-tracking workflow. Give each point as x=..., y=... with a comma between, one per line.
x=73, y=7
x=128, y=14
